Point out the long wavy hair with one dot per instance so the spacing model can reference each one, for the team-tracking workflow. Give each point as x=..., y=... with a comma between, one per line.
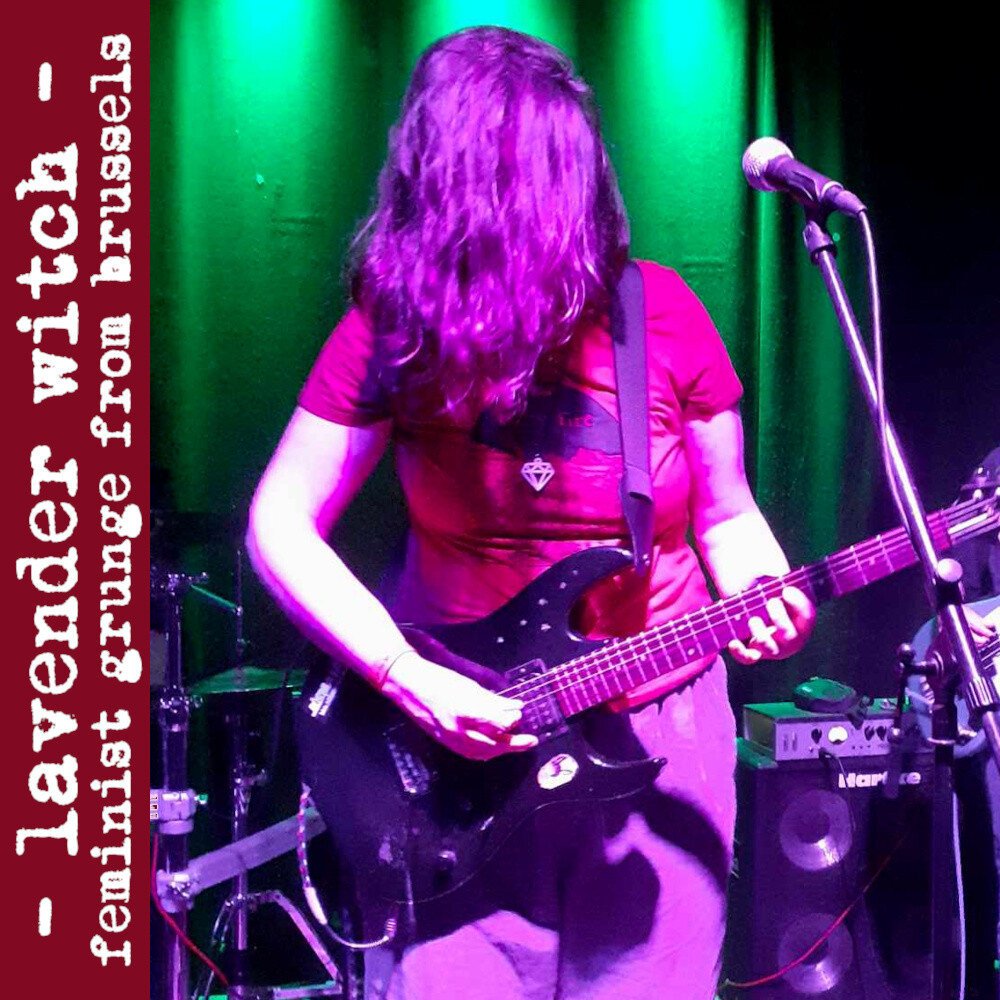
x=498, y=224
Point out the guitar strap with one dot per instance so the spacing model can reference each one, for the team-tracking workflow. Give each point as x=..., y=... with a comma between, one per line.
x=628, y=334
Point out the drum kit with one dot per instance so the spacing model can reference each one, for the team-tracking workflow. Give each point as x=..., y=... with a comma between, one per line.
x=244, y=697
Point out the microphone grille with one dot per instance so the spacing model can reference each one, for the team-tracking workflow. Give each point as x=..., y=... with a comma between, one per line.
x=758, y=155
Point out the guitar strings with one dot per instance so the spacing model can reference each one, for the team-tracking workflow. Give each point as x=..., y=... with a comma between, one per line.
x=571, y=670
x=717, y=614
x=568, y=676
x=714, y=616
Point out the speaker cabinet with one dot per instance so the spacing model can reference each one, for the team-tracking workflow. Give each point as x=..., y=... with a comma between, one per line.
x=809, y=837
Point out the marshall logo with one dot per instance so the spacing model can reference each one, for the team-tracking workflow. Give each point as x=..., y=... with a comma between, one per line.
x=868, y=779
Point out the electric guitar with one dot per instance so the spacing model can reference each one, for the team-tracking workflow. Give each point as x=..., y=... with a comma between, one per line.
x=412, y=820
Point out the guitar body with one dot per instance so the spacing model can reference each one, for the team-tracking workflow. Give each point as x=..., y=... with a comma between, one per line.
x=409, y=818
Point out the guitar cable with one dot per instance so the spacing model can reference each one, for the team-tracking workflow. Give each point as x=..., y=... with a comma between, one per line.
x=312, y=896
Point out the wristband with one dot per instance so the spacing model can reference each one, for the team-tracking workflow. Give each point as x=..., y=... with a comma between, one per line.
x=386, y=664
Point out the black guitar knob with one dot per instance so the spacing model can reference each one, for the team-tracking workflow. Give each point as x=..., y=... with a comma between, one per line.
x=446, y=860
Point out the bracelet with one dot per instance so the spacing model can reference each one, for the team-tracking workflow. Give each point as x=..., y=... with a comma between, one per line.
x=386, y=664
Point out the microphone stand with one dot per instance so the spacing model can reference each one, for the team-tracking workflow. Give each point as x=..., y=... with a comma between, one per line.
x=943, y=594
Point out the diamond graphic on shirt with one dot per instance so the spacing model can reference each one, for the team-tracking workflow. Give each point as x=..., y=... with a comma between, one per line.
x=537, y=473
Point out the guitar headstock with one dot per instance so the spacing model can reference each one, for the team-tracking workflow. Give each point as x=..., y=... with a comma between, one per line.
x=983, y=484
x=981, y=498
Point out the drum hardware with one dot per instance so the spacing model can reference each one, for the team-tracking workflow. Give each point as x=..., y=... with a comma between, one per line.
x=243, y=777
x=231, y=862
x=176, y=797
x=230, y=911
x=173, y=812
x=240, y=692
x=175, y=803
x=225, y=863
x=237, y=692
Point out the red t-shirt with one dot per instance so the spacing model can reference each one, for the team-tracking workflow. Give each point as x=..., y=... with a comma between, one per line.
x=480, y=532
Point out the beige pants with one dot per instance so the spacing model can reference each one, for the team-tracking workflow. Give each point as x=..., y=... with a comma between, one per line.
x=618, y=901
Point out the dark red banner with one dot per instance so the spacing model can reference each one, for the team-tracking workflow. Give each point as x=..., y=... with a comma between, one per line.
x=75, y=373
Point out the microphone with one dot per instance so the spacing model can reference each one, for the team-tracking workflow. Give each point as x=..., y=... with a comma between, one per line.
x=768, y=165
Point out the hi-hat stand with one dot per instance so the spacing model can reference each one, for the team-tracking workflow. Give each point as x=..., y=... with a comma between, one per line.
x=234, y=862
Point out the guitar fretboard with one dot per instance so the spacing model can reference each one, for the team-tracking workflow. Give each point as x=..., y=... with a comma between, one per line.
x=624, y=664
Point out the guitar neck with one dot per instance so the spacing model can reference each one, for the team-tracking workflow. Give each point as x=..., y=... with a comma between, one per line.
x=624, y=664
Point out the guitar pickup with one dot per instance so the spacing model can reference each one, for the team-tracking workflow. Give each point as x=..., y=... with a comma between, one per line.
x=542, y=713
x=414, y=775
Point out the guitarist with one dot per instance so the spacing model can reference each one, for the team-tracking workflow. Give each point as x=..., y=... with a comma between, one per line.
x=478, y=345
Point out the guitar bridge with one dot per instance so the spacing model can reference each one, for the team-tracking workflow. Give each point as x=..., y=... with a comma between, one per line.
x=542, y=715
x=414, y=774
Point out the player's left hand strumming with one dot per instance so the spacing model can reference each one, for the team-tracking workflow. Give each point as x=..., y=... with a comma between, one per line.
x=781, y=633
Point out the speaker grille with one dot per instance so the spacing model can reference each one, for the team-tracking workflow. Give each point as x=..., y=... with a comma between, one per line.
x=827, y=966
x=809, y=836
x=815, y=830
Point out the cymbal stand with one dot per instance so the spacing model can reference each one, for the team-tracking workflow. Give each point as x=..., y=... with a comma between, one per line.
x=173, y=807
x=240, y=640
x=243, y=777
x=242, y=780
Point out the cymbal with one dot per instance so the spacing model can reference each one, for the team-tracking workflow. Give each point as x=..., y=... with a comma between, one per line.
x=248, y=680
x=194, y=527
